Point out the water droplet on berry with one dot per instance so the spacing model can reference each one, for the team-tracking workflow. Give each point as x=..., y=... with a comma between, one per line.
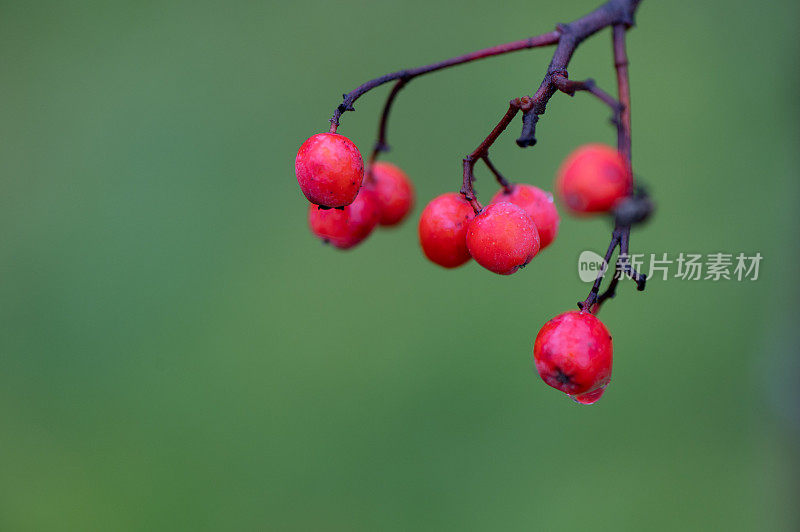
x=589, y=398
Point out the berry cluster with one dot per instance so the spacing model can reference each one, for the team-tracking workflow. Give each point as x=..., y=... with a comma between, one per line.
x=573, y=351
x=345, y=207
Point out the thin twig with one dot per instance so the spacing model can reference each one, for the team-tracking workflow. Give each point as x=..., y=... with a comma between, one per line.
x=570, y=87
x=624, y=92
x=545, y=39
x=501, y=180
x=381, y=145
x=592, y=298
x=467, y=190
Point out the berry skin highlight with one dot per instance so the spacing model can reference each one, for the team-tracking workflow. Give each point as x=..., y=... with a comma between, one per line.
x=540, y=207
x=502, y=238
x=395, y=192
x=573, y=353
x=329, y=170
x=443, y=228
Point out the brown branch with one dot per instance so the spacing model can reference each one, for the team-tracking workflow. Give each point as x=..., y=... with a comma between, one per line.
x=624, y=91
x=624, y=254
x=612, y=13
x=610, y=292
x=616, y=13
x=381, y=145
x=545, y=39
x=570, y=87
x=619, y=237
x=567, y=37
x=634, y=209
x=482, y=151
x=590, y=300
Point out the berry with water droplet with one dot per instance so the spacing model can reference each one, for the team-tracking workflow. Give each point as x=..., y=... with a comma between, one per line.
x=502, y=238
x=589, y=398
x=573, y=353
x=538, y=204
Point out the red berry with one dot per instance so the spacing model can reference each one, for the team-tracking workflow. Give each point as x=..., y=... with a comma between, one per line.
x=573, y=353
x=540, y=207
x=502, y=238
x=594, y=178
x=329, y=170
x=395, y=192
x=589, y=398
x=346, y=227
x=443, y=230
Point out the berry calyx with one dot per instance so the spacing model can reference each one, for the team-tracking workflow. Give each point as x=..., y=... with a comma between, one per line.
x=538, y=204
x=395, y=192
x=502, y=238
x=329, y=170
x=594, y=178
x=348, y=226
x=573, y=353
x=443, y=230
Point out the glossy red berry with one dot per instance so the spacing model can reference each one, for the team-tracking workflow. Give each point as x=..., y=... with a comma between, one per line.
x=346, y=227
x=594, y=178
x=502, y=238
x=538, y=204
x=395, y=192
x=573, y=354
x=329, y=170
x=443, y=230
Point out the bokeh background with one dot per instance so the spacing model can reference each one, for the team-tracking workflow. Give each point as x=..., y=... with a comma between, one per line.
x=177, y=352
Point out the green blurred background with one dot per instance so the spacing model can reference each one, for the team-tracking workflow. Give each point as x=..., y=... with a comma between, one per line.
x=177, y=352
